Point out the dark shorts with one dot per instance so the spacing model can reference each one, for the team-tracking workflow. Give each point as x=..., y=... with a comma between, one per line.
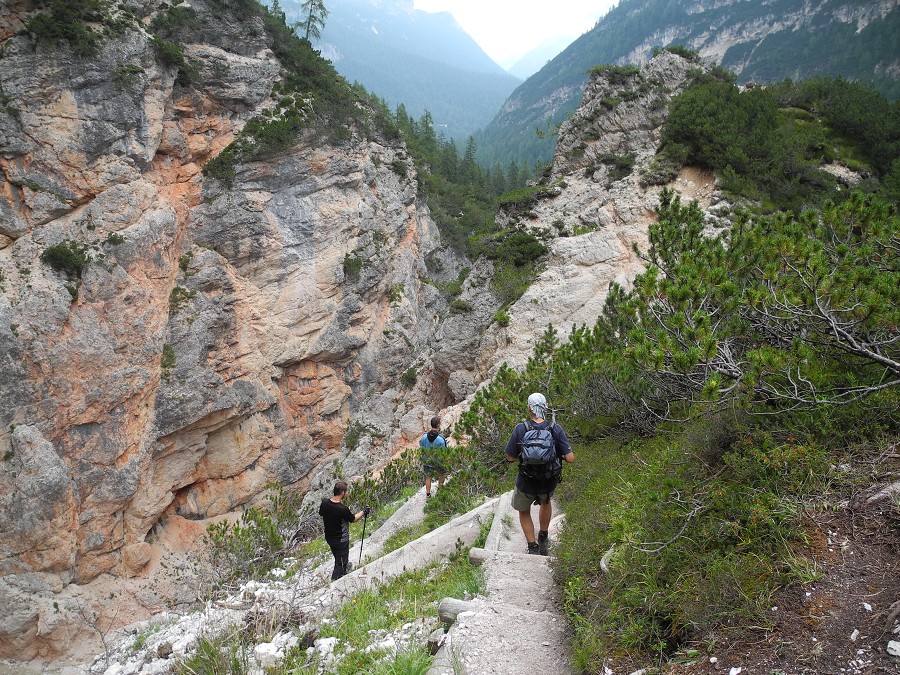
x=522, y=501
x=433, y=469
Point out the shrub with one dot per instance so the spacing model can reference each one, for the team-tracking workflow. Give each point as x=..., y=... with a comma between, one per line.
x=68, y=256
x=408, y=378
x=619, y=165
x=510, y=281
x=460, y=306
x=691, y=55
x=616, y=75
x=168, y=361
x=178, y=298
x=226, y=654
x=395, y=294
x=184, y=261
x=222, y=167
x=172, y=55
x=251, y=547
x=353, y=265
x=398, y=166
x=127, y=75
x=69, y=22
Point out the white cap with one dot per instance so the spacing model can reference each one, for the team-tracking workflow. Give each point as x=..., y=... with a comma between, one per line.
x=538, y=404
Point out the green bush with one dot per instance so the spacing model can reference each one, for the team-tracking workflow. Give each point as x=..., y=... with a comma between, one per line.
x=409, y=377
x=177, y=20
x=222, y=167
x=616, y=75
x=178, y=298
x=68, y=256
x=395, y=294
x=619, y=165
x=509, y=281
x=460, y=306
x=172, y=56
x=512, y=247
x=353, y=265
x=682, y=51
x=398, y=166
x=769, y=144
x=68, y=22
x=168, y=361
x=251, y=547
x=127, y=74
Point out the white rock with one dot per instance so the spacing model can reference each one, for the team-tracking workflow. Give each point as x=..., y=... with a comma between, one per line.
x=267, y=655
x=854, y=635
x=893, y=648
x=326, y=646
x=735, y=671
x=867, y=606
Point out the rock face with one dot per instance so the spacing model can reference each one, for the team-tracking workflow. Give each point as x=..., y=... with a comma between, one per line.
x=221, y=337
x=597, y=203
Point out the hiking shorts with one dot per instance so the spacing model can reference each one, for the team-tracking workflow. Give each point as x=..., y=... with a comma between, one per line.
x=522, y=501
x=433, y=469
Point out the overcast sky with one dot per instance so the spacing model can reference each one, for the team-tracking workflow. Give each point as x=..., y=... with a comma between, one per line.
x=508, y=29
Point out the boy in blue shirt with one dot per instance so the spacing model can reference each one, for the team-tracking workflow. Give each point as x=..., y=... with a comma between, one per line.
x=432, y=444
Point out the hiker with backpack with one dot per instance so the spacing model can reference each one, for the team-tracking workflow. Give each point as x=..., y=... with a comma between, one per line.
x=433, y=446
x=337, y=518
x=539, y=445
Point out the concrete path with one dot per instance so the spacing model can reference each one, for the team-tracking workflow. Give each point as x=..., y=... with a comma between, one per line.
x=518, y=627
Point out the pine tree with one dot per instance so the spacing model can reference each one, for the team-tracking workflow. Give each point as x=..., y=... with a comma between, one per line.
x=316, y=13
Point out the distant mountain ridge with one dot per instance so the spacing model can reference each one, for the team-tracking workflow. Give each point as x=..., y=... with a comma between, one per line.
x=425, y=61
x=534, y=60
x=761, y=41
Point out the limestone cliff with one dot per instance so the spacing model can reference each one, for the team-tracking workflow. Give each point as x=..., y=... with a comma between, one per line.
x=597, y=202
x=209, y=337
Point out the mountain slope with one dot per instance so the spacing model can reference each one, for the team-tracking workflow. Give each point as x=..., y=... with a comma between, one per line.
x=760, y=41
x=425, y=61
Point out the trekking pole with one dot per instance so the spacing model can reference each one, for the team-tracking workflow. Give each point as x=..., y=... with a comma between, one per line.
x=363, y=538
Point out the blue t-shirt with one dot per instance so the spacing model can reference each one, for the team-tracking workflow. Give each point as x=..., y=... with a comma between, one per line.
x=432, y=439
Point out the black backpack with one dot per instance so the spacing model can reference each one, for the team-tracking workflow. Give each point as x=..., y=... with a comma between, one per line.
x=538, y=459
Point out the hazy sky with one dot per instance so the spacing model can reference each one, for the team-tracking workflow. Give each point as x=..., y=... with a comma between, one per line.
x=509, y=29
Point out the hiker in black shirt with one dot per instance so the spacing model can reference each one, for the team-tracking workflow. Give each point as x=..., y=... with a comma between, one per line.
x=535, y=487
x=337, y=519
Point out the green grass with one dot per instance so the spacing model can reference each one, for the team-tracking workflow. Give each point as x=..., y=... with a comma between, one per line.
x=699, y=541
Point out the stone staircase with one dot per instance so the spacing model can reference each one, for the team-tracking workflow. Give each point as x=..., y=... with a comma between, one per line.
x=517, y=626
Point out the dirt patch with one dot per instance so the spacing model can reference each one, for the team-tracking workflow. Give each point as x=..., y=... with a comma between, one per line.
x=841, y=623
x=693, y=183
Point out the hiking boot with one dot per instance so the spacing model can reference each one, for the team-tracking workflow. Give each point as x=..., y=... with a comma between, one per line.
x=533, y=548
x=543, y=543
